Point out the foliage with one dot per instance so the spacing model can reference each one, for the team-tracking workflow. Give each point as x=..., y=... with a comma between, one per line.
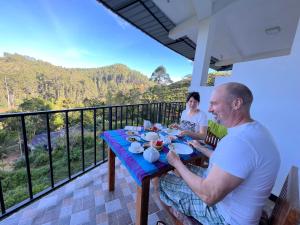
x=160, y=76
x=211, y=76
x=27, y=78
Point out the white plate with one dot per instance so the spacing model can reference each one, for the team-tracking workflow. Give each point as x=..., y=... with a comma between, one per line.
x=171, y=131
x=140, y=150
x=180, y=148
x=137, y=138
x=148, y=138
x=132, y=132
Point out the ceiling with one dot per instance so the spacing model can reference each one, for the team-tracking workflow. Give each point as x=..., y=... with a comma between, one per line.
x=244, y=29
x=147, y=17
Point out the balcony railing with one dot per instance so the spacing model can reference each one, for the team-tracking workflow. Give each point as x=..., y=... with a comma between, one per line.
x=58, y=146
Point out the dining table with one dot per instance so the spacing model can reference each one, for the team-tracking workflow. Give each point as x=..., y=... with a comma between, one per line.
x=140, y=169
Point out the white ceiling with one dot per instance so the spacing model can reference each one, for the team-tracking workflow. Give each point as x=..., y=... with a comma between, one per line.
x=240, y=25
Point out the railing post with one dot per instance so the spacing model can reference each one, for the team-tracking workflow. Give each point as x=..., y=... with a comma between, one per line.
x=82, y=140
x=116, y=117
x=103, y=129
x=165, y=105
x=1, y=198
x=110, y=118
x=26, y=156
x=121, y=116
x=68, y=144
x=159, y=113
x=49, y=149
x=95, y=137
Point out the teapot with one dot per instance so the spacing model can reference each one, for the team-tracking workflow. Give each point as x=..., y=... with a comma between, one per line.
x=151, y=154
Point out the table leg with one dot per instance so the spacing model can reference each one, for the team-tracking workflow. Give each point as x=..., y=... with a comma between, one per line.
x=142, y=202
x=111, y=170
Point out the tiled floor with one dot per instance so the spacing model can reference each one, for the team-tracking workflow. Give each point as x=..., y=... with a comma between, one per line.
x=87, y=200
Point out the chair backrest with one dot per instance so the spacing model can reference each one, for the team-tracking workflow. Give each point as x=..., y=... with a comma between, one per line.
x=286, y=210
x=211, y=139
x=217, y=129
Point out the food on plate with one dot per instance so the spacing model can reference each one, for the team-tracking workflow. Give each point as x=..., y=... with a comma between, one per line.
x=130, y=132
x=158, y=144
x=153, y=129
x=133, y=138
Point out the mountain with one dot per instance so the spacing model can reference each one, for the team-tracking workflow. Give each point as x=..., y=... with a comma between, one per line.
x=24, y=77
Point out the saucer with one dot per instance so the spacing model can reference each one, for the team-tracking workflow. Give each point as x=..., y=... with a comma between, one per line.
x=140, y=150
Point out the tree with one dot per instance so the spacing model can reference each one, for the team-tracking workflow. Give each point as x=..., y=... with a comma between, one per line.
x=160, y=76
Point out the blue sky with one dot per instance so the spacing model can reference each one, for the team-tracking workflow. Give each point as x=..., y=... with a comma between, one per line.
x=82, y=33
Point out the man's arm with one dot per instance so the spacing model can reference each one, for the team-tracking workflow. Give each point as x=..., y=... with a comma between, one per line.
x=211, y=189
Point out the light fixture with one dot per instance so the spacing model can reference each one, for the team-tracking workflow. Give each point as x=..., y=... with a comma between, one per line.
x=273, y=30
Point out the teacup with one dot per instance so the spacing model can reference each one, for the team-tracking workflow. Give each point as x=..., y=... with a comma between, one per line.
x=135, y=146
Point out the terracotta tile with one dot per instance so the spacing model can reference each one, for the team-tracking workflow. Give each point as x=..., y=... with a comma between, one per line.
x=86, y=200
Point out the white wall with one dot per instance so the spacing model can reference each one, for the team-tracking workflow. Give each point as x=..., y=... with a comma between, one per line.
x=275, y=83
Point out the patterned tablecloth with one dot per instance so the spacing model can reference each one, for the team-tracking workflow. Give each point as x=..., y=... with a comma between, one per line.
x=137, y=166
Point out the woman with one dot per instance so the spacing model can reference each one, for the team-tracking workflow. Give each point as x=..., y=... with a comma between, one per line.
x=193, y=121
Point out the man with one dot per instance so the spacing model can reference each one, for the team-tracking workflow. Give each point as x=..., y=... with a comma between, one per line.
x=242, y=170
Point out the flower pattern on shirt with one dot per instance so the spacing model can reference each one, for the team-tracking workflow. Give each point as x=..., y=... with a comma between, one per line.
x=188, y=125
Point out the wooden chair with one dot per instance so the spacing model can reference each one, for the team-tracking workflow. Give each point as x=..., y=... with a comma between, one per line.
x=285, y=212
x=211, y=139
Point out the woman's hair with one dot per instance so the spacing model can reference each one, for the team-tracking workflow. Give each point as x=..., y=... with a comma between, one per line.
x=195, y=95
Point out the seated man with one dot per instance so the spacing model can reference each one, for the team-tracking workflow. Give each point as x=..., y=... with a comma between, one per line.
x=242, y=170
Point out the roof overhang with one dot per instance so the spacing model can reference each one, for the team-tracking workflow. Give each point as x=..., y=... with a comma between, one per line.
x=245, y=29
x=146, y=16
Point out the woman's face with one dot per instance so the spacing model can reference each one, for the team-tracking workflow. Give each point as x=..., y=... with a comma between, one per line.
x=193, y=103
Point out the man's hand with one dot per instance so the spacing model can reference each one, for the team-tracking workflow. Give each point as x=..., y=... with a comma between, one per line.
x=195, y=144
x=200, y=148
x=173, y=158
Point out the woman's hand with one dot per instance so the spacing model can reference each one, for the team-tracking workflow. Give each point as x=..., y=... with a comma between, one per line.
x=174, y=126
x=184, y=132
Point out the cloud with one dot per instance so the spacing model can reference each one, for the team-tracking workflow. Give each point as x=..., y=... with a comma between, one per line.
x=120, y=21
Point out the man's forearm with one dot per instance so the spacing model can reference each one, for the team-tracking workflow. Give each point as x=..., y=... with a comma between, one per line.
x=195, y=182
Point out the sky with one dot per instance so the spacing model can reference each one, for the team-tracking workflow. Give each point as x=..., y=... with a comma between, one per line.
x=82, y=33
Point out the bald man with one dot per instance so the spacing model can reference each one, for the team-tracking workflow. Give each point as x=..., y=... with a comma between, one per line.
x=241, y=172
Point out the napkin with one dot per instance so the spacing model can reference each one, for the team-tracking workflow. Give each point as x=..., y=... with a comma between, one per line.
x=133, y=128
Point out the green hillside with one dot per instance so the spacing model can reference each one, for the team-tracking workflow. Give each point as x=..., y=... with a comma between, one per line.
x=23, y=77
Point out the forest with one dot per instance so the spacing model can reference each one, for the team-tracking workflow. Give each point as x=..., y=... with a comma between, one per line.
x=30, y=85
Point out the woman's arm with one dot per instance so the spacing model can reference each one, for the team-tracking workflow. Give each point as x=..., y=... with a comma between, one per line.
x=195, y=135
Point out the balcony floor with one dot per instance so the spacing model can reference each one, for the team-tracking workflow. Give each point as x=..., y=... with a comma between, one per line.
x=86, y=200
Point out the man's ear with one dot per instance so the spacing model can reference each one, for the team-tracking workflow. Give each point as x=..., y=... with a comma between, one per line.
x=237, y=103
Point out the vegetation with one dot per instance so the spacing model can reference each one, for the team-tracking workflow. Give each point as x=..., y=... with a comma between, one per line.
x=34, y=85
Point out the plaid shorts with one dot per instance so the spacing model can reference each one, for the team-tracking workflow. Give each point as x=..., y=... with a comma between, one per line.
x=176, y=193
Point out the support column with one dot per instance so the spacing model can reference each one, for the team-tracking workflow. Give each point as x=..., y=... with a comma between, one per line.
x=205, y=37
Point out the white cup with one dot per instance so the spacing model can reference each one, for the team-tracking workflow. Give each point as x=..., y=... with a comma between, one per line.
x=135, y=146
x=147, y=124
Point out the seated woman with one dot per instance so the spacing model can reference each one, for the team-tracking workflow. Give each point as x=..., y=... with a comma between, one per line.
x=193, y=121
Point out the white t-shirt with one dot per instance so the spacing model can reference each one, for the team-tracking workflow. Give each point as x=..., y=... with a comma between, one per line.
x=194, y=122
x=249, y=152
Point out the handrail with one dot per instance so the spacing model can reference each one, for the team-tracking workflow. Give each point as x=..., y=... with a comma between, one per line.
x=110, y=117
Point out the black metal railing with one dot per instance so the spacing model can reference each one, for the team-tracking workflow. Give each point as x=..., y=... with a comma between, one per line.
x=92, y=152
